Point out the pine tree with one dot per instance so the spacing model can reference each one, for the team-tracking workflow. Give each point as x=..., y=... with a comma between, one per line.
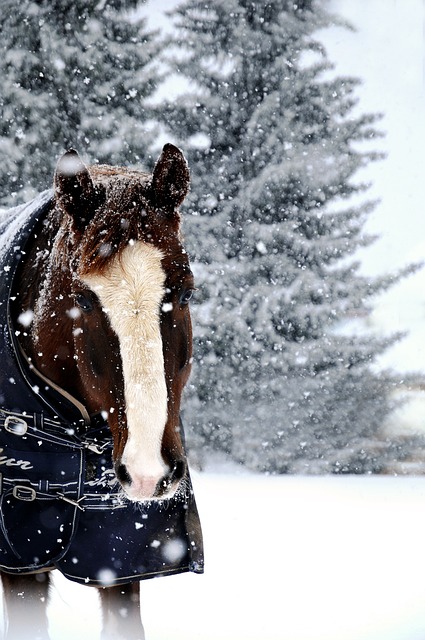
x=73, y=74
x=274, y=146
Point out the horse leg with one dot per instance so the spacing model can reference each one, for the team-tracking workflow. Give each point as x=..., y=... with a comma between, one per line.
x=25, y=598
x=121, y=612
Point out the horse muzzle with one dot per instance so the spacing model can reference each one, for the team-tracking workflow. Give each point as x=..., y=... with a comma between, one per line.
x=139, y=487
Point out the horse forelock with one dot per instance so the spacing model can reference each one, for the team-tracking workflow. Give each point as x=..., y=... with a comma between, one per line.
x=125, y=215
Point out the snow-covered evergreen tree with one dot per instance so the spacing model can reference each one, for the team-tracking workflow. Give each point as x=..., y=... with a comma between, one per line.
x=274, y=147
x=73, y=74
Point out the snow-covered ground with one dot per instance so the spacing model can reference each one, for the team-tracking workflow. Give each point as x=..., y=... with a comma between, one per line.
x=288, y=558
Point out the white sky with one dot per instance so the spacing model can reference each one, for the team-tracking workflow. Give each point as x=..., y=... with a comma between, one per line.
x=388, y=53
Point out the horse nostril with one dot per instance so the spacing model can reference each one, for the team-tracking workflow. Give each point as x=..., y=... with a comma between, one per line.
x=122, y=474
x=179, y=470
x=176, y=474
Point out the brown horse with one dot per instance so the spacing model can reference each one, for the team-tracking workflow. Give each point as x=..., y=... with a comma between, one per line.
x=104, y=288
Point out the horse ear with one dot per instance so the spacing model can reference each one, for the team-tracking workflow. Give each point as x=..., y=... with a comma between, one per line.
x=171, y=178
x=74, y=189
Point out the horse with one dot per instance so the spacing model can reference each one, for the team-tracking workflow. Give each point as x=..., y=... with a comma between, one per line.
x=98, y=318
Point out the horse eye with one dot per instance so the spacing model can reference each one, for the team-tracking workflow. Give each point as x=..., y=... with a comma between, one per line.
x=83, y=302
x=186, y=296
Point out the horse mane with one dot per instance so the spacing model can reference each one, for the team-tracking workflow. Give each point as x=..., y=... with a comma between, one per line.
x=123, y=212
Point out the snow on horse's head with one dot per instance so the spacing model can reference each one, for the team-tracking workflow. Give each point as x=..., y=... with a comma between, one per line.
x=111, y=321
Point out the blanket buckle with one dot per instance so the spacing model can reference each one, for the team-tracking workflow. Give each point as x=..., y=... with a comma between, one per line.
x=17, y=426
x=21, y=492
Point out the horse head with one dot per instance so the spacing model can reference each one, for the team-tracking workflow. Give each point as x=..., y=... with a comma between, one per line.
x=111, y=318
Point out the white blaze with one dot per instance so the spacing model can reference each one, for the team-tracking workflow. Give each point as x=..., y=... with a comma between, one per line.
x=130, y=292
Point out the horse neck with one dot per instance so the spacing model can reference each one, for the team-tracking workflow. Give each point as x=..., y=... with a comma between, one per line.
x=43, y=287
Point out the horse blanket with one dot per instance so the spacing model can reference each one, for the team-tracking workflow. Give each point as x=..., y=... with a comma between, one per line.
x=60, y=502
